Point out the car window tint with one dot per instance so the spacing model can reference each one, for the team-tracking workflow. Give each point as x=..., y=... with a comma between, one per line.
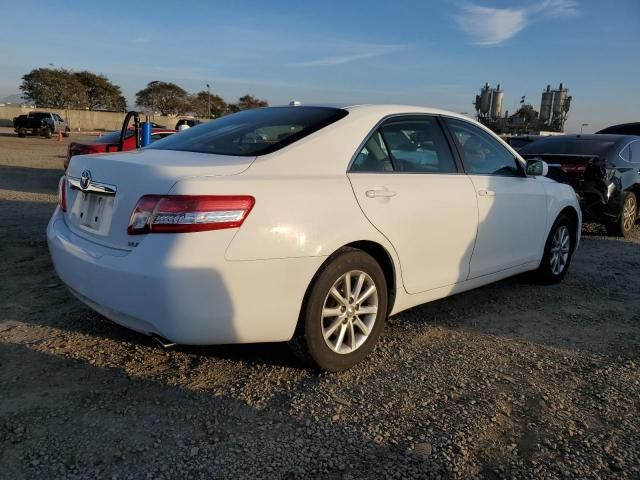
x=253, y=132
x=373, y=157
x=634, y=152
x=482, y=154
x=625, y=153
x=418, y=145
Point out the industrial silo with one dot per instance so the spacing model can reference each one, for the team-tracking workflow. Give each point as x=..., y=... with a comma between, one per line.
x=546, y=104
x=559, y=101
x=485, y=99
x=496, y=103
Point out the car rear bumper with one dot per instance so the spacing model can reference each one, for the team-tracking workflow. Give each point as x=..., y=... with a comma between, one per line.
x=180, y=287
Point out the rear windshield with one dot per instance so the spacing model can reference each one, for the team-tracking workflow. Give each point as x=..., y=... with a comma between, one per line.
x=568, y=146
x=252, y=132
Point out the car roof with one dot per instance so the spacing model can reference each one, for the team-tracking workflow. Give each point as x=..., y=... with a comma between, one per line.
x=380, y=109
x=593, y=142
x=622, y=126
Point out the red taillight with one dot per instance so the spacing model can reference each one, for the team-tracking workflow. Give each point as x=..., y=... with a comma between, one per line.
x=188, y=213
x=62, y=194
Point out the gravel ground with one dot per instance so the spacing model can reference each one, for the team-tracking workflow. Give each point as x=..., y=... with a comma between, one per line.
x=513, y=380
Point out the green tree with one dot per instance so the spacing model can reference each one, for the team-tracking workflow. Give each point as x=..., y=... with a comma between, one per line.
x=54, y=88
x=168, y=98
x=101, y=93
x=248, y=101
x=200, y=104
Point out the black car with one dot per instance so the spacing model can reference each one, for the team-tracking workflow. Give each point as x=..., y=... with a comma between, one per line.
x=622, y=129
x=520, y=141
x=604, y=170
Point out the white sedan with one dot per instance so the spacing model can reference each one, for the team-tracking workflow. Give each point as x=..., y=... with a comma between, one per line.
x=305, y=224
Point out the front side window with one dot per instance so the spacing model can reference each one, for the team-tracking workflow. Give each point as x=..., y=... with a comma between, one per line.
x=481, y=153
x=253, y=132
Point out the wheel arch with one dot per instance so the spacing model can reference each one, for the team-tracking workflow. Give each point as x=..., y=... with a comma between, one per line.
x=379, y=253
x=635, y=189
x=571, y=213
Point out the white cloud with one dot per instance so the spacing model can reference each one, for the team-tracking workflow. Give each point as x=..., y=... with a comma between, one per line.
x=492, y=26
x=371, y=51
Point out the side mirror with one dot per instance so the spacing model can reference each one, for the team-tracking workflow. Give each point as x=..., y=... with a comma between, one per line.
x=537, y=167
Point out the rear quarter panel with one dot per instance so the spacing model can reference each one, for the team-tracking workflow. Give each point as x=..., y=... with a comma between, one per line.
x=293, y=216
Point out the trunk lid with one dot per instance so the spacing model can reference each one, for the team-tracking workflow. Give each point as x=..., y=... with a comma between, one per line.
x=572, y=169
x=103, y=218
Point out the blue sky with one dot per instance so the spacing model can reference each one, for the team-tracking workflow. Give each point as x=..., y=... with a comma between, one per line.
x=428, y=52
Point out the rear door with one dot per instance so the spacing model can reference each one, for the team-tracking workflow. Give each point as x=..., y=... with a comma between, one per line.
x=409, y=186
x=512, y=207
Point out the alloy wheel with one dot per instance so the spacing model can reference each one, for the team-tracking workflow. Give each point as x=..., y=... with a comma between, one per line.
x=629, y=213
x=349, y=312
x=560, y=246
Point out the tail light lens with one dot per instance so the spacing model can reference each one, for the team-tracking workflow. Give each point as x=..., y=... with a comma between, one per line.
x=188, y=213
x=62, y=194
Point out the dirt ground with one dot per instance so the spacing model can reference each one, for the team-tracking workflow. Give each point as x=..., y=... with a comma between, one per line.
x=513, y=380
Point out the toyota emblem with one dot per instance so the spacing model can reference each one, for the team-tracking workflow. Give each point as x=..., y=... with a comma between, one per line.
x=85, y=179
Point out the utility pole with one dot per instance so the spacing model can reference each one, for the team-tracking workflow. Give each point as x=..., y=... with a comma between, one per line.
x=153, y=108
x=208, y=102
x=582, y=126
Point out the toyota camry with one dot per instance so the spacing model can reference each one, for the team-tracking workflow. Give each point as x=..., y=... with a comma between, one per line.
x=305, y=224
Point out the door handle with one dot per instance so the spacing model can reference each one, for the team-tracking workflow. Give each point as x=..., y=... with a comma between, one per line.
x=380, y=193
x=486, y=193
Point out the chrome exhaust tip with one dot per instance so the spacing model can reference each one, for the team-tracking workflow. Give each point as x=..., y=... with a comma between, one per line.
x=163, y=342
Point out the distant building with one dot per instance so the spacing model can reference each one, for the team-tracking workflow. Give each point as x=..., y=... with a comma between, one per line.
x=554, y=107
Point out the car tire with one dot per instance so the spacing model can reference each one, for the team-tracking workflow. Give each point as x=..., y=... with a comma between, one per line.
x=46, y=132
x=558, y=251
x=67, y=132
x=628, y=216
x=22, y=134
x=331, y=334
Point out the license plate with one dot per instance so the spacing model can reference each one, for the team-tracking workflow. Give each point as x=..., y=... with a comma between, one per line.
x=92, y=210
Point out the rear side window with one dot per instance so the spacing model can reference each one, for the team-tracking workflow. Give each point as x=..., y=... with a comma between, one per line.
x=373, y=157
x=406, y=145
x=631, y=153
x=418, y=145
x=253, y=132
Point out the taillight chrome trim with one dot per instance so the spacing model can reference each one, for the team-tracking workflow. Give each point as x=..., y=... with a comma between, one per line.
x=93, y=187
x=158, y=213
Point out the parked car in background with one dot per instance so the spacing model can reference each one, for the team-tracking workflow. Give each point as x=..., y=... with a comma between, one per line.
x=622, y=129
x=305, y=224
x=40, y=123
x=191, y=122
x=100, y=144
x=519, y=141
x=603, y=170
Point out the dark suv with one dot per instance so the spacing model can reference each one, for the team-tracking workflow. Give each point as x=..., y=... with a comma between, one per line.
x=604, y=170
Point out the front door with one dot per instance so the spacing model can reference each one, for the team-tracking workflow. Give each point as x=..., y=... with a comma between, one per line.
x=511, y=206
x=407, y=184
